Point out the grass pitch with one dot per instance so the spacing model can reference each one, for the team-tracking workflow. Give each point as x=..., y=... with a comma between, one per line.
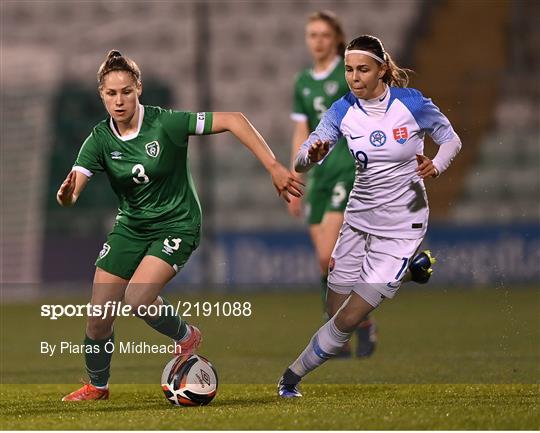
x=445, y=360
x=332, y=407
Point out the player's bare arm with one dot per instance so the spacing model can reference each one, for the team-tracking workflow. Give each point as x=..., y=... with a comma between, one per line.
x=71, y=188
x=300, y=134
x=284, y=181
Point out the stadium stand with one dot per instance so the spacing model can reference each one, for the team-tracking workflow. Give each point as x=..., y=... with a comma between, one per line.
x=253, y=67
x=57, y=46
x=504, y=184
x=26, y=97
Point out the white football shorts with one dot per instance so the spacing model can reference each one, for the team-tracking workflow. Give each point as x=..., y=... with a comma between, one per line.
x=372, y=266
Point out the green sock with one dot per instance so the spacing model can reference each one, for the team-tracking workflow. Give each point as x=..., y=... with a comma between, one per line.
x=98, y=362
x=324, y=294
x=168, y=323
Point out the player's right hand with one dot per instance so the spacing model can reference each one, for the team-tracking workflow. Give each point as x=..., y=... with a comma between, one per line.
x=285, y=182
x=295, y=206
x=64, y=196
x=318, y=150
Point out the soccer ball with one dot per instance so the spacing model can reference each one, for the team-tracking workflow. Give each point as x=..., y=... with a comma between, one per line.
x=189, y=381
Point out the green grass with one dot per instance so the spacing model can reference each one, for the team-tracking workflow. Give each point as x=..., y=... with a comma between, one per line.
x=332, y=407
x=460, y=359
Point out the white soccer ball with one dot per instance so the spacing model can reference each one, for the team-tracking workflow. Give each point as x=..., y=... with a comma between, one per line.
x=189, y=381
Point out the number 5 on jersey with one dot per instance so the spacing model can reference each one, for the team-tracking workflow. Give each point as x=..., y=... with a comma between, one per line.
x=140, y=176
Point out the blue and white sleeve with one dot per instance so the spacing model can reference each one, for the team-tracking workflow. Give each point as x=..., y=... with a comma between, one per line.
x=440, y=130
x=328, y=129
x=436, y=124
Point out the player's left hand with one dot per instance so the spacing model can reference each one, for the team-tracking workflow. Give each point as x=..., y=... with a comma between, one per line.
x=318, y=150
x=425, y=167
x=286, y=183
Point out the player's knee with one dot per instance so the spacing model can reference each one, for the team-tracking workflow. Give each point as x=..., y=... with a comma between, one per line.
x=98, y=328
x=139, y=304
x=135, y=302
x=347, y=320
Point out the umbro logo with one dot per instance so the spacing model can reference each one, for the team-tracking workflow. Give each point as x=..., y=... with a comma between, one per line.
x=205, y=377
x=116, y=155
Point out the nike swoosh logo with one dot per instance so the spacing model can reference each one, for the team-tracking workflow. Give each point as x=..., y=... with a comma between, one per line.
x=355, y=138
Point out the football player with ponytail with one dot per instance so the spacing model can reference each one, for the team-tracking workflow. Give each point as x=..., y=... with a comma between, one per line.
x=329, y=184
x=385, y=221
x=143, y=151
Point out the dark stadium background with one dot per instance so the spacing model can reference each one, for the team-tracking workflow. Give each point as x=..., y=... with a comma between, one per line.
x=476, y=60
x=476, y=322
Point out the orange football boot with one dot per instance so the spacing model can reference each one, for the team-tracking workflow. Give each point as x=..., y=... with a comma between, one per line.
x=87, y=392
x=189, y=346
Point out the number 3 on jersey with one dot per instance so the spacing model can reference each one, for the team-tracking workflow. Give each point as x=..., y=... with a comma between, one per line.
x=140, y=176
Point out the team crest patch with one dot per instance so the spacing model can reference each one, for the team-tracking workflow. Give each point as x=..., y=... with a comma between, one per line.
x=105, y=250
x=401, y=134
x=331, y=88
x=152, y=149
x=377, y=138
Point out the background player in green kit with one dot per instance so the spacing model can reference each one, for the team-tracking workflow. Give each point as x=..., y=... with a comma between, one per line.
x=143, y=151
x=329, y=185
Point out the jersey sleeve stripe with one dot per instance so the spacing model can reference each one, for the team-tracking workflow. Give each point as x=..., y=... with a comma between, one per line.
x=83, y=170
x=208, y=123
x=299, y=117
x=199, y=126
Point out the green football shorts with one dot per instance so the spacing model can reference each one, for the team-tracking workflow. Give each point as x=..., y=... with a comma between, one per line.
x=124, y=250
x=331, y=198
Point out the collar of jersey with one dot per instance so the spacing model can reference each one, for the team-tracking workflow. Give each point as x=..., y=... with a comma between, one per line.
x=133, y=134
x=323, y=75
x=374, y=103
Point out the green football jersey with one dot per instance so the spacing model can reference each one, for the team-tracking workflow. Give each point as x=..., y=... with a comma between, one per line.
x=312, y=97
x=149, y=170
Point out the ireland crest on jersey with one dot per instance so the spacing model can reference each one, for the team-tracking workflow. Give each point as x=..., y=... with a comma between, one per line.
x=152, y=149
x=331, y=88
x=401, y=134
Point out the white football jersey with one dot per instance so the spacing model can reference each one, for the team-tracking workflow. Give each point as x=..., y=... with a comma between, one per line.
x=388, y=198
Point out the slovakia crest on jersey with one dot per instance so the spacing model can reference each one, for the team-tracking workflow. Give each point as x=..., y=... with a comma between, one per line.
x=401, y=134
x=152, y=149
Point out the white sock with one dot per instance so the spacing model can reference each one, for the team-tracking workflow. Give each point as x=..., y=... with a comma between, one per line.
x=102, y=387
x=326, y=342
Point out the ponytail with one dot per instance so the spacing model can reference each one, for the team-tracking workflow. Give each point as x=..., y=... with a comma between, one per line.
x=394, y=76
